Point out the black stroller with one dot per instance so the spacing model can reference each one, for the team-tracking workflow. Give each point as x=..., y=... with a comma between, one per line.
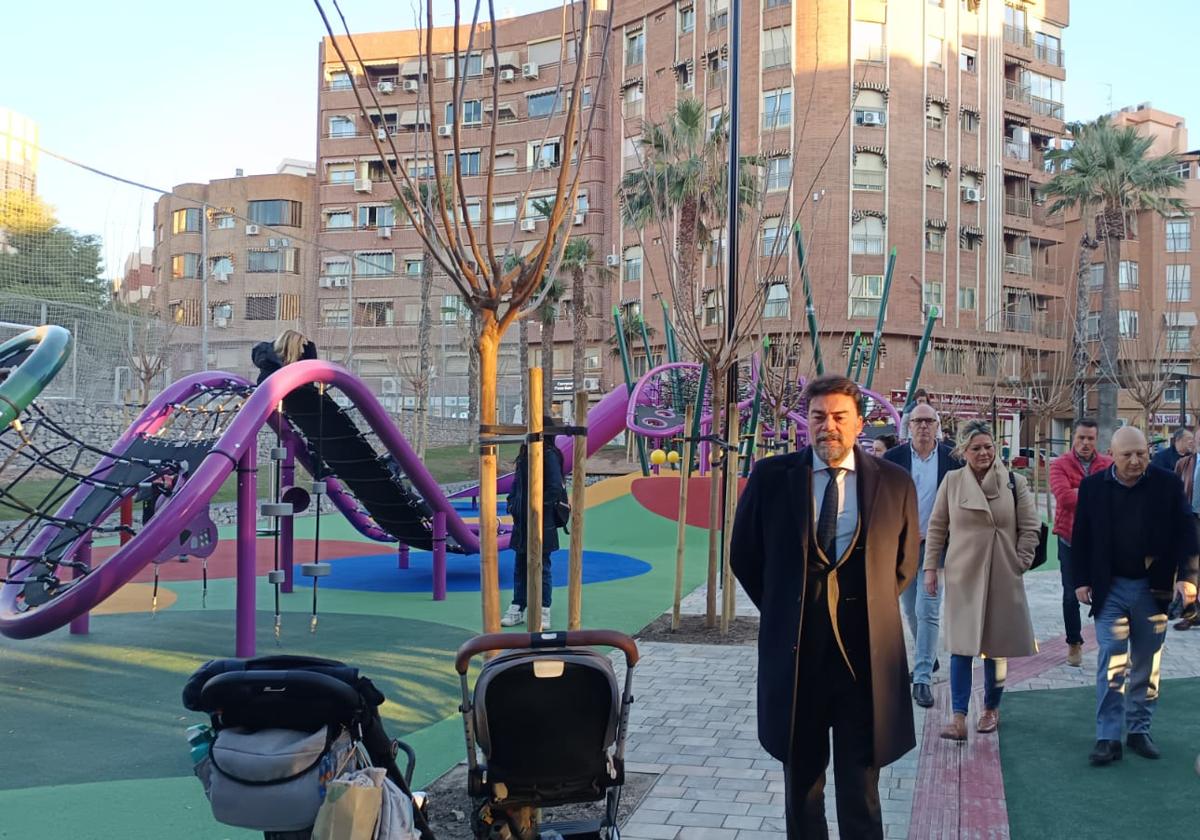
x=550, y=721
x=298, y=695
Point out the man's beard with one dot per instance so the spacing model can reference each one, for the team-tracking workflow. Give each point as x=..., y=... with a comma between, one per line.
x=831, y=449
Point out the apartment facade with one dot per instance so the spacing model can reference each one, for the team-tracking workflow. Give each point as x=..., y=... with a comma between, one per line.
x=246, y=246
x=918, y=125
x=1159, y=312
x=18, y=152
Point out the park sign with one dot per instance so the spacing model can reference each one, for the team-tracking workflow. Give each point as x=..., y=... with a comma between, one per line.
x=959, y=404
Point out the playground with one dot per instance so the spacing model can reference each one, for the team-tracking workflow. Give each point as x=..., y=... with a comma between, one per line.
x=103, y=622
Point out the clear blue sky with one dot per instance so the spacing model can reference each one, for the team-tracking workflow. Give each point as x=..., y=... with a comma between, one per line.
x=166, y=93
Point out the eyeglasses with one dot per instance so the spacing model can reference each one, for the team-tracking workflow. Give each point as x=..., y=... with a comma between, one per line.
x=922, y=421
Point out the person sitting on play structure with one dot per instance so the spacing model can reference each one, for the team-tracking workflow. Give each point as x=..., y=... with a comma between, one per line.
x=553, y=492
x=270, y=356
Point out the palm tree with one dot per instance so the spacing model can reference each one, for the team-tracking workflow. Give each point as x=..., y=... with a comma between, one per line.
x=1108, y=176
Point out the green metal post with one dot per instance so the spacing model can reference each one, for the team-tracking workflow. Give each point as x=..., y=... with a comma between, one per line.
x=754, y=415
x=695, y=430
x=853, y=354
x=887, y=289
x=641, y=441
x=809, y=310
x=921, y=350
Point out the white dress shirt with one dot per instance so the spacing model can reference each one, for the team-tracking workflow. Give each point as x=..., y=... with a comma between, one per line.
x=847, y=520
x=925, y=477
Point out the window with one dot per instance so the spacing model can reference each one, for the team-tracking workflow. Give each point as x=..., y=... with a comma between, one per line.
x=870, y=108
x=335, y=267
x=472, y=112
x=1128, y=276
x=632, y=269
x=1046, y=95
x=1091, y=326
x=335, y=313
x=273, y=260
x=545, y=155
x=276, y=212
x=716, y=248
x=414, y=266
x=969, y=122
x=341, y=127
x=1179, y=339
x=506, y=161
x=779, y=173
x=866, y=294
x=775, y=4
x=504, y=210
x=866, y=236
x=1128, y=323
x=777, y=47
x=718, y=14
x=631, y=101
x=549, y=51
x=777, y=109
x=1174, y=393
x=868, y=172
x=951, y=360
x=966, y=298
x=472, y=63
x=1179, y=236
x=684, y=77
x=935, y=240
x=185, y=267
x=867, y=38
x=375, y=313
x=687, y=19
x=715, y=117
x=340, y=80
x=186, y=220
x=377, y=215
x=220, y=267
x=468, y=162
x=1096, y=276
x=1048, y=48
x=635, y=48
x=544, y=103
x=538, y=207
x=374, y=264
x=339, y=173
x=453, y=308
x=967, y=61
x=774, y=237
x=411, y=314
x=1179, y=283
x=224, y=221
x=987, y=363
x=935, y=177
x=935, y=115
x=262, y=307
x=338, y=219
x=718, y=64
x=712, y=308
x=934, y=47
x=777, y=304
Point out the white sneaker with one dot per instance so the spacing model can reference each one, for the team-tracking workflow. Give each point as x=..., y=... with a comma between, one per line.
x=513, y=617
x=545, y=618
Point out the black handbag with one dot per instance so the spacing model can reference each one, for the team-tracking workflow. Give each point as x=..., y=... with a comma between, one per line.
x=1039, y=553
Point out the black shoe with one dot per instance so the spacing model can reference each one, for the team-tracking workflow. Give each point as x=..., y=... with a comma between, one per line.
x=936, y=665
x=1185, y=624
x=1141, y=744
x=923, y=695
x=1106, y=752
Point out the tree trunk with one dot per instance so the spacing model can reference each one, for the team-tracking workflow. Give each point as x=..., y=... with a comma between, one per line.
x=523, y=365
x=489, y=573
x=549, y=322
x=579, y=342
x=1110, y=342
x=473, y=383
x=715, y=476
x=686, y=249
x=1079, y=341
x=424, y=340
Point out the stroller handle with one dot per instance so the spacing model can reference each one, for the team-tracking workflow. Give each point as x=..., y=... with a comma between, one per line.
x=525, y=641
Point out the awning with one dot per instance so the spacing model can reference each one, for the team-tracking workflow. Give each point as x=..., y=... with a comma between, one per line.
x=414, y=68
x=382, y=62
x=1009, y=58
x=1180, y=319
x=507, y=58
x=412, y=117
x=1015, y=174
x=1011, y=231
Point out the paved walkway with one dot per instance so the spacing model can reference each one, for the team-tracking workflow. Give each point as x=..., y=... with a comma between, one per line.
x=693, y=722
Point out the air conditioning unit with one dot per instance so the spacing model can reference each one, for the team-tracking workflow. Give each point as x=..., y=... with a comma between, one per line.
x=591, y=383
x=386, y=87
x=529, y=71
x=389, y=385
x=579, y=218
x=970, y=194
x=872, y=118
x=221, y=322
x=252, y=230
x=541, y=163
x=362, y=185
x=507, y=75
x=325, y=282
x=411, y=85
x=385, y=232
x=528, y=224
x=339, y=282
x=381, y=133
x=613, y=260
x=445, y=130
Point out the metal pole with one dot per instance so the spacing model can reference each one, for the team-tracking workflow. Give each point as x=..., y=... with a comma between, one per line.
x=578, y=500
x=809, y=309
x=850, y=372
x=887, y=289
x=204, y=287
x=247, y=513
x=439, y=555
x=287, y=525
x=83, y=560
x=621, y=345
x=921, y=351
x=732, y=196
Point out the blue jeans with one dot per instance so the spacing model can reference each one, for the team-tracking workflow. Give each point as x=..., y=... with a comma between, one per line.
x=521, y=580
x=922, y=610
x=1130, y=629
x=1070, y=605
x=994, y=671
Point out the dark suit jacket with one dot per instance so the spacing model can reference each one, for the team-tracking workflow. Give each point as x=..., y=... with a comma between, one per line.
x=769, y=555
x=901, y=456
x=1169, y=534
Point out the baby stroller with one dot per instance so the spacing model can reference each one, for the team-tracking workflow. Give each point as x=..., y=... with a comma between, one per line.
x=283, y=724
x=550, y=721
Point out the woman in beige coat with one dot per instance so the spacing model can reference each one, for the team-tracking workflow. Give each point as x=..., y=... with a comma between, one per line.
x=991, y=544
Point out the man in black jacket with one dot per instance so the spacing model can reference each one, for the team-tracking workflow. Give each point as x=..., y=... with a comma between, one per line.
x=824, y=541
x=1133, y=546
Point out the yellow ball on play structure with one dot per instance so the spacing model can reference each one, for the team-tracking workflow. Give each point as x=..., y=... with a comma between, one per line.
x=672, y=457
x=658, y=457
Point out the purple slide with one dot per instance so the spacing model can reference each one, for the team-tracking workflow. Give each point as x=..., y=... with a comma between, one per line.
x=237, y=448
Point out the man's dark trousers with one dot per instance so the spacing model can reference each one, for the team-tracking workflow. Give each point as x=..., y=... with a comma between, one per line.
x=839, y=701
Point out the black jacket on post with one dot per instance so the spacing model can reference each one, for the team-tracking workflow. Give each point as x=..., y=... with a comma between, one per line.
x=1167, y=532
x=552, y=491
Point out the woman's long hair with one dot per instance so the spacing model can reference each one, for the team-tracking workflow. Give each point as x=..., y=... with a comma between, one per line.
x=290, y=346
x=969, y=430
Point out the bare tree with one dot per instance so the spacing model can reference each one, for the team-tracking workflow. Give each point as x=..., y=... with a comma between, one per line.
x=149, y=351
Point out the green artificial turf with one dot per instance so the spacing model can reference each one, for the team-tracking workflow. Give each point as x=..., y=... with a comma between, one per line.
x=1053, y=792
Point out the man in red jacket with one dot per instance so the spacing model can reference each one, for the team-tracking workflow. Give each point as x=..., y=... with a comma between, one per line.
x=1066, y=472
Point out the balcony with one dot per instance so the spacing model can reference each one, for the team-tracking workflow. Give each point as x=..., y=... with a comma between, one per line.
x=1035, y=322
x=1016, y=150
x=1016, y=92
x=1048, y=54
x=1047, y=108
x=1051, y=274
x=869, y=245
x=1015, y=205
x=1018, y=264
x=868, y=179
x=1017, y=36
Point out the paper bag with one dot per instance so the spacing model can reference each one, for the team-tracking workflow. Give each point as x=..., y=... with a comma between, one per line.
x=351, y=807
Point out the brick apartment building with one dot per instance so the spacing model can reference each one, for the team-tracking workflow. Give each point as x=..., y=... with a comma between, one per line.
x=1159, y=311
x=914, y=124
x=18, y=152
x=137, y=283
x=253, y=238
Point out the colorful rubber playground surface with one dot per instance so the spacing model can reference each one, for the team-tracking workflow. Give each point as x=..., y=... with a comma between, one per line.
x=93, y=726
